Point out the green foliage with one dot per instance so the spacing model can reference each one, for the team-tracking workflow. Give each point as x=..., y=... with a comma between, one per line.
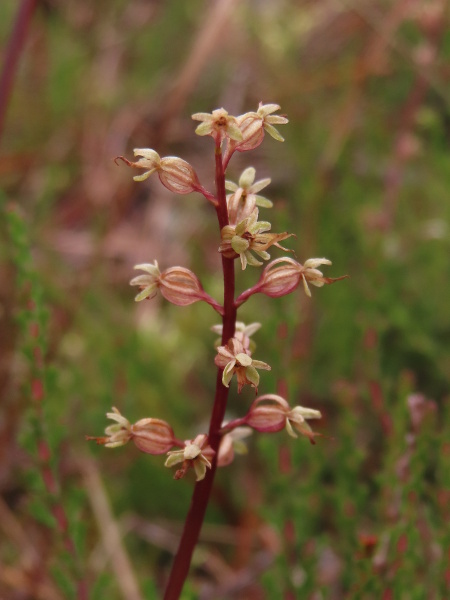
x=362, y=179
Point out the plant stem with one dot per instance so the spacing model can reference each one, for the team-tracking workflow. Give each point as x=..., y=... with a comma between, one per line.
x=202, y=490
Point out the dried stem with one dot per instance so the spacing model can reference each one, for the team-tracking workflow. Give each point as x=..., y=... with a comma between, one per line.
x=202, y=491
x=12, y=54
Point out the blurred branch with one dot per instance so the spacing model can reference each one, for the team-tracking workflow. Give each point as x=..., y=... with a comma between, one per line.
x=206, y=44
x=381, y=26
x=13, y=51
x=23, y=577
x=109, y=530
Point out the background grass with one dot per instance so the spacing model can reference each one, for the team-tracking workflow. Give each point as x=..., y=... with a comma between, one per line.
x=363, y=178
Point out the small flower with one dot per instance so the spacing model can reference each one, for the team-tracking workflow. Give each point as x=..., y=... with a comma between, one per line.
x=271, y=413
x=147, y=283
x=269, y=120
x=219, y=124
x=296, y=419
x=244, y=198
x=196, y=454
x=152, y=436
x=283, y=275
x=178, y=285
x=175, y=174
x=242, y=333
x=116, y=435
x=253, y=125
x=234, y=358
x=250, y=235
x=311, y=274
x=232, y=443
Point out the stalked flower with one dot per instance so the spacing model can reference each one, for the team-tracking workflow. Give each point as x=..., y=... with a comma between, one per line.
x=219, y=124
x=242, y=333
x=311, y=274
x=232, y=444
x=253, y=125
x=250, y=235
x=152, y=436
x=283, y=275
x=116, y=435
x=271, y=413
x=234, y=358
x=279, y=278
x=178, y=285
x=242, y=202
x=175, y=174
x=196, y=454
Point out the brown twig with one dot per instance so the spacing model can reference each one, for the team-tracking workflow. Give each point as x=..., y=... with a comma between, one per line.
x=13, y=51
x=110, y=533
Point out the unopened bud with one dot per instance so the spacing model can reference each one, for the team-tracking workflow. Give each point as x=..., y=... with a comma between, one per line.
x=182, y=287
x=178, y=175
x=268, y=413
x=252, y=129
x=280, y=277
x=152, y=436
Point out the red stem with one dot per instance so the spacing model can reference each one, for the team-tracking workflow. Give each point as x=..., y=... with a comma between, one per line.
x=202, y=490
x=12, y=53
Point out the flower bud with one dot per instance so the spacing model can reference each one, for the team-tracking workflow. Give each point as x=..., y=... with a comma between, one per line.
x=181, y=286
x=252, y=129
x=175, y=174
x=178, y=176
x=152, y=436
x=268, y=413
x=276, y=280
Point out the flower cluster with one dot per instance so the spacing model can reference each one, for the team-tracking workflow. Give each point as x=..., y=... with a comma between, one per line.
x=243, y=237
x=250, y=234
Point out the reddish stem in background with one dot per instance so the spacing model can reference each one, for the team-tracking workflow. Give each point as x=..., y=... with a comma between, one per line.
x=13, y=51
x=202, y=490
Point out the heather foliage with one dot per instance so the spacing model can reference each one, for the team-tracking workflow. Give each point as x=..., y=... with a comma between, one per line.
x=361, y=178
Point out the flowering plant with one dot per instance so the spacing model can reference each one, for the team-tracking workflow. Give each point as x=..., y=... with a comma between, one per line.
x=241, y=235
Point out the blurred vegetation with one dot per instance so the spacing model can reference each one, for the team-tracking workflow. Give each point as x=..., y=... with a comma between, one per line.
x=363, y=178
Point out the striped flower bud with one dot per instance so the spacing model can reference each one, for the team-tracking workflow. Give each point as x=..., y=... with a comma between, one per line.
x=177, y=284
x=196, y=454
x=152, y=436
x=175, y=174
x=271, y=413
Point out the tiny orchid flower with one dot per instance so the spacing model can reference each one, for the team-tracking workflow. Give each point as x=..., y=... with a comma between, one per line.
x=244, y=198
x=283, y=275
x=242, y=333
x=218, y=124
x=152, y=436
x=271, y=413
x=250, y=235
x=254, y=124
x=196, y=454
x=311, y=274
x=118, y=434
x=178, y=285
x=234, y=358
x=175, y=174
x=147, y=283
